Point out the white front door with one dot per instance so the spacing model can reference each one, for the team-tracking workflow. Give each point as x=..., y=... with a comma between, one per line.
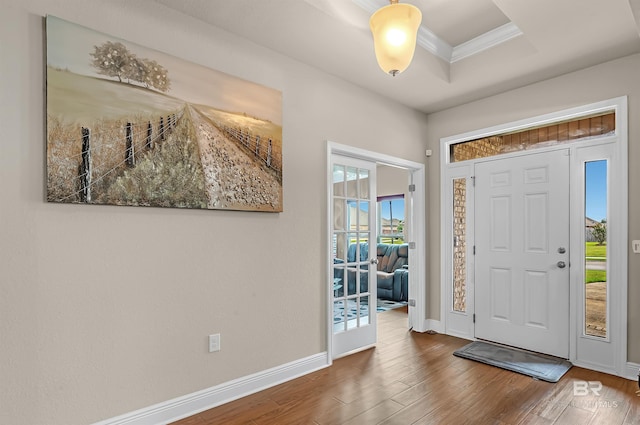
x=522, y=252
x=352, y=282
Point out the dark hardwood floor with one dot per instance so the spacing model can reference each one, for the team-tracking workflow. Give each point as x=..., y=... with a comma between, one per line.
x=412, y=378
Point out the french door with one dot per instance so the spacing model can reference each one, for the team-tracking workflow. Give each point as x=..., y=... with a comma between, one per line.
x=522, y=252
x=352, y=281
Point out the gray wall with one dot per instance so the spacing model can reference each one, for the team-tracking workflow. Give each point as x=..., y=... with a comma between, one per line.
x=391, y=181
x=605, y=81
x=94, y=323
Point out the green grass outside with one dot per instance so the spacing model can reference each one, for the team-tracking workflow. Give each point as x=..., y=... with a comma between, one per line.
x=596, y=276
x=596, y=252
x=395, y=241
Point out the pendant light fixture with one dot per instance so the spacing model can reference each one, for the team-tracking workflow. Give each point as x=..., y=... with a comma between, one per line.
x=395, y=29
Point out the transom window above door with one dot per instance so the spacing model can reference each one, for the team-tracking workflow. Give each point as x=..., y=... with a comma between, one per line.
x=558, y=133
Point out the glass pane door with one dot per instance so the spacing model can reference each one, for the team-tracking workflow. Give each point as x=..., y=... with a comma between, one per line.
x=352, y=281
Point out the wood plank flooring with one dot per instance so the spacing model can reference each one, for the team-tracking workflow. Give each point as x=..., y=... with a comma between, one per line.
x=412, y=378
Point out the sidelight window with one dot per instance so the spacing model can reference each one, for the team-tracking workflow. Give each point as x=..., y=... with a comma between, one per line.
x=459, y=244
x=596, y=248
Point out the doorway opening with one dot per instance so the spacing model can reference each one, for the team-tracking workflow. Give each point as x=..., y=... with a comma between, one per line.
x=379, y=263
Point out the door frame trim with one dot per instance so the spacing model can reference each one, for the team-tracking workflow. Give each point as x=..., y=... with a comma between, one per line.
x=619, y=210
x=417, y=234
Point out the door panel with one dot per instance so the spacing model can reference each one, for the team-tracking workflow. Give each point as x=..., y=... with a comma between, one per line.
x=352, y=283
x=501, y=223
x=500, y=294
x=535, y=223
x=522, y=294
x=536, y=288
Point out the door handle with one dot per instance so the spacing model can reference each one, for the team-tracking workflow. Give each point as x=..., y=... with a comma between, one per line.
x=374, y=261
x=561, y=264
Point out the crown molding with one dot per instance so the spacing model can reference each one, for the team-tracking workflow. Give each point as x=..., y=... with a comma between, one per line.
x=490, y=39
x=434, y=44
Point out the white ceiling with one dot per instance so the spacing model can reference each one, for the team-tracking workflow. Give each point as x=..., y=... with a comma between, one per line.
x=469, y=49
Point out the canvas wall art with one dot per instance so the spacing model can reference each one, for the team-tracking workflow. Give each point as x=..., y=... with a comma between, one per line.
x=128, y=125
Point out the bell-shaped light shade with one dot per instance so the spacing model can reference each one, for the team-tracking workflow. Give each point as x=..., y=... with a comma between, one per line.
x=395, y=29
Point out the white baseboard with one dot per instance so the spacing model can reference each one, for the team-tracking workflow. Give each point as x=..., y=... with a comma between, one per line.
x=632, y=371
x=461, y=335
x=190, y=404
x=595, y=367
x=434, y=325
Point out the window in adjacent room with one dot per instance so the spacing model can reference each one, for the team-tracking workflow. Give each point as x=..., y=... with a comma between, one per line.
x=391, y=219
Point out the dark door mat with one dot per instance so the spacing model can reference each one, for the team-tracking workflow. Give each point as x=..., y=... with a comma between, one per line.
x=539, y=366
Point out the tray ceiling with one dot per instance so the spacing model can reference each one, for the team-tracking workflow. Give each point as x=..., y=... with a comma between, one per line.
x=469, y=49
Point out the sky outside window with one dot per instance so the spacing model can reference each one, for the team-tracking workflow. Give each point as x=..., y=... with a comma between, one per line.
x=394, y=205
x=596, y=190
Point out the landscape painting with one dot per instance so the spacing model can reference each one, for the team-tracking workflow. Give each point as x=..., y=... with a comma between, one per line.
x=128, y=125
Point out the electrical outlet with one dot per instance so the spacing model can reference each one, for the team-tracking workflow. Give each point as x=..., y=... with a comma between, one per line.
x=214, y=343
x=636, y=247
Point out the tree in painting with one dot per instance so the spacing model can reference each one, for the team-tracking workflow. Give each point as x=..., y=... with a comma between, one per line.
x=113, y=59
x=156, y=76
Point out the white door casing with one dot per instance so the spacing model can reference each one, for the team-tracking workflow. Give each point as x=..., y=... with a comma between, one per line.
x=522, y=251
x=415, y=233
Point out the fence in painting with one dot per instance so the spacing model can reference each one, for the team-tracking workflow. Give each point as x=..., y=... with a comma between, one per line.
x=264, y=149
x=112, y=149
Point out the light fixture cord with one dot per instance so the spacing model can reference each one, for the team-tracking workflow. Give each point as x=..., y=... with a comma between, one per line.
x=393, y=1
